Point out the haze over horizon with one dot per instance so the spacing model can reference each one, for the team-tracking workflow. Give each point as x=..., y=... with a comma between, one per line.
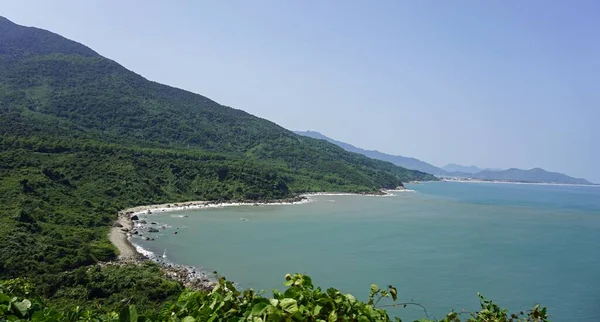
x=496, y=85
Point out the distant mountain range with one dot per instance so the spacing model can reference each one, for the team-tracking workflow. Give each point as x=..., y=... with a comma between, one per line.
x=536, y=175
x=533, y=175
x=452, y=167
x=405, y=162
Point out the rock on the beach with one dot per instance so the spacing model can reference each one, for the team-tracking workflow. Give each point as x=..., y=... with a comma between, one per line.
x=117, y=224
x=125, y=229
x=143, y=222
x=135, y=217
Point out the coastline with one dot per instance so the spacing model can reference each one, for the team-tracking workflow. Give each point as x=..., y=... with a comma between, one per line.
x=125, y=226
x=128, y=224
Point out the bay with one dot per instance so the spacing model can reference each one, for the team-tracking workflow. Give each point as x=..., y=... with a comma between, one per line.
x=439, y=245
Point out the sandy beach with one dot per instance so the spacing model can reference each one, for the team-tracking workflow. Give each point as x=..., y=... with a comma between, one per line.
x=118, y=236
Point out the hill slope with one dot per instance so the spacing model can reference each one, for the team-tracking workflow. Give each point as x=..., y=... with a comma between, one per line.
x=81, y=137
x=47, y=77
x=409, y=163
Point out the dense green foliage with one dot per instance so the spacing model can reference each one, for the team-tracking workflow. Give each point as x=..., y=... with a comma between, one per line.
x=300, y=302
x=107, y=288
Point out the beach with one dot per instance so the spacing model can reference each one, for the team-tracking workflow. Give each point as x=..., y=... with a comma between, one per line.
x=118, y=236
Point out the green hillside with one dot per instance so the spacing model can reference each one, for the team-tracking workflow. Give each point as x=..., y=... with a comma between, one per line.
x=82, y=137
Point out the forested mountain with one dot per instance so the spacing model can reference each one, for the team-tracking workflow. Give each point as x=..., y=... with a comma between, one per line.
x=406, y=162
x=81, y=137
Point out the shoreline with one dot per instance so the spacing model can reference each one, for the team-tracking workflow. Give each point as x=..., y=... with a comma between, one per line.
x=127, y=224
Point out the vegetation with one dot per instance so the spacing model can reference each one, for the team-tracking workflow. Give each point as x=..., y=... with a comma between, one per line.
x=300, y=302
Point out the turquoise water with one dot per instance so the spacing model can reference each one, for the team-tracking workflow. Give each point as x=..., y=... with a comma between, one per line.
x=439, y=245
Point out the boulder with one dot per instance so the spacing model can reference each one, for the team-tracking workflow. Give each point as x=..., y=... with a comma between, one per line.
x=117, y=224
x=125, y=229
x=143, y=222
x=152, y=223
x=152, y=230
x=135, y=217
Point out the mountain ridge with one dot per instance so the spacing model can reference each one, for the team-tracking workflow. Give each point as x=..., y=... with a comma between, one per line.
x=453, y=167
x=535, y=175
x=148, y=111
x=406, y=162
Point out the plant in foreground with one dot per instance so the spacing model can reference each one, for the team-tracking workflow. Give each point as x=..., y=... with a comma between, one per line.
x=301, y=301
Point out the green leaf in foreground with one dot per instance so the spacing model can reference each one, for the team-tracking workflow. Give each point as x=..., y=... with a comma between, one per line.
x=289, y=305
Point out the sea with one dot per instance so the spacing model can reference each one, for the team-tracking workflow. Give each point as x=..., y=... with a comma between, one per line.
x=439, y=244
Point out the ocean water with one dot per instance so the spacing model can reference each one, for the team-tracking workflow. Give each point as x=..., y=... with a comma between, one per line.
x=439, y=245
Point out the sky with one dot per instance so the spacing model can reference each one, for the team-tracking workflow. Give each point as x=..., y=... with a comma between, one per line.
x=496, y=84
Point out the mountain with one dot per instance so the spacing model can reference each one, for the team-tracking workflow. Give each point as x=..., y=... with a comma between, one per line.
x=47, y=79
x=457, y=168
x=454, y=170
x=461, y=168
x=82, y=137
x=409, y=163
x=534, y=175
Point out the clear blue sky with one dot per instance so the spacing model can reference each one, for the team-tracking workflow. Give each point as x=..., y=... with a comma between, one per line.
x=492, y=83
